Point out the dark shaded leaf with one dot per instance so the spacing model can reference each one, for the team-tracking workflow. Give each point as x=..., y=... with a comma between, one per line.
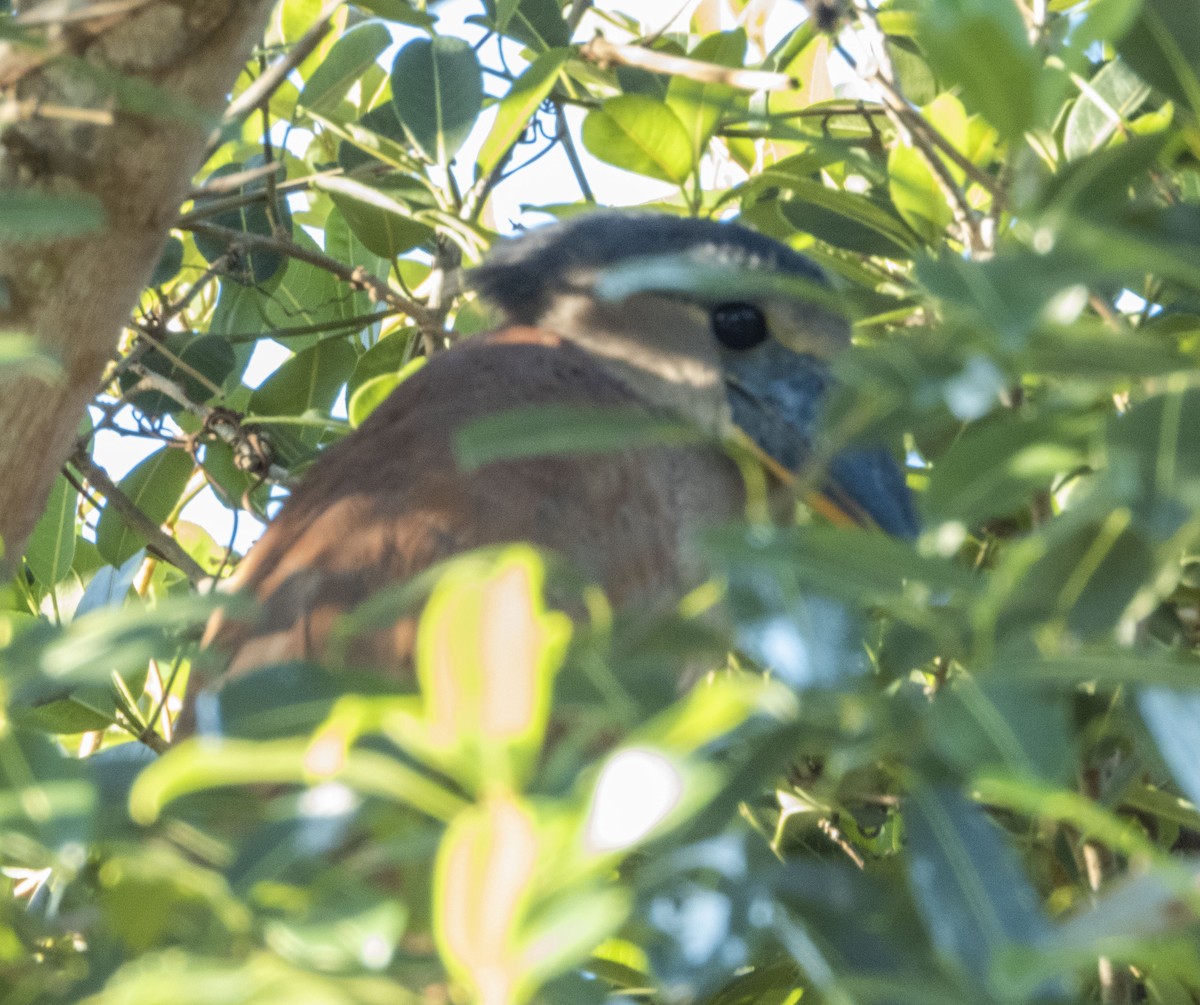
x=1163, y=48
x=972, y=894
x=51, y=547
x=536, y=23
x=437, y=91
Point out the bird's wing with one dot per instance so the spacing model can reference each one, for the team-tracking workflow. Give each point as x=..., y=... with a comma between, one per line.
x=389, y=501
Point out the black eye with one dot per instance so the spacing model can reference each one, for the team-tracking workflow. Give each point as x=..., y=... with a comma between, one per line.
x=739, y=326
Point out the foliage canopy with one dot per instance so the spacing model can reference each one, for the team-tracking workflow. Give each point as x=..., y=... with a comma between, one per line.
x=972, y=772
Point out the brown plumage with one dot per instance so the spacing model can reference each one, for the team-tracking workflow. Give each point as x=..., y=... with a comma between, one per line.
x=389, y=501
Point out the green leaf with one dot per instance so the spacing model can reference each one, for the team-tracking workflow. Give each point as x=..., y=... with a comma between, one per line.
x=386, y=356
x=437, y=90
x=51, y=547
x=258, y=266
x=641, y=135
x=43, y=792
x=987, y=722
x=1163, y=48
x=1152, y=447
x=487, y=653
x=538, y=24
x=169, y=262
x=542, y=430
x=375, y=391
x=485, y=868
x=302, y=295
x=916, y=194
x=981, y=45
x=307, y=384
x=154, y=486
x=1112, y=96
x=26, y=216
x=864, y=567
x=914, y=188
x=1173, y=718
x=196, y=765
x=846, y=220
x=1077, y=575
x=975, y=898
x=344, y=245
x=196, y=364
x=378, y=135
x=521, y=103
x=354, y=52
x=995, y=467
x=382, y=214
x=399, y=11
x=699, y=104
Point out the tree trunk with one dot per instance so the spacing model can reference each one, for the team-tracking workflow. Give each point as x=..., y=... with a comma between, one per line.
x=72, y=296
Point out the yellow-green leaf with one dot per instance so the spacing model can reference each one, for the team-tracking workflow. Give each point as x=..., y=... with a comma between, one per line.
x=642, y=135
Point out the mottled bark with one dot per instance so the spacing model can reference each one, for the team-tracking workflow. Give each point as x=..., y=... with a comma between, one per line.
x=66, y=133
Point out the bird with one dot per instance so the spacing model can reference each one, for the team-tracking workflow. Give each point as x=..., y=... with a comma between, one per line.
x=600, y=311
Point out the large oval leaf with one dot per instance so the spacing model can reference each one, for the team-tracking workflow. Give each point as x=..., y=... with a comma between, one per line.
x=639, y=134
x=437, y=90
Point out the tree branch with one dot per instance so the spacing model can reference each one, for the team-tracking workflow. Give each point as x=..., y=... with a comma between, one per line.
x=605, y=54
x=355, y=276
x=159, y=541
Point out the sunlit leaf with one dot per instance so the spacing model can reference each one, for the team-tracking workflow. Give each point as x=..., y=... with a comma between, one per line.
x=487, y=653
x=641, y=135
x=482, y=888
x=1102, y=109
x=698, y=104
x=375, y=391
x=982, y=46
x=356, y=50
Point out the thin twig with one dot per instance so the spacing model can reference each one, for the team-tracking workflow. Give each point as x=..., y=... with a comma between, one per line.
x=225, y=184
x=159, y=541
x=1100, y=865
x=356, y=276
x=563, y=134
x=209, y=200
x=605, y=54
x=919, y=132
x=261, y=90
x=222, y=423
x=578, y=9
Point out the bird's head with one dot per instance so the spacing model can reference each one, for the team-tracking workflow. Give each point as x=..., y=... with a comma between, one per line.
x=726, y=327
